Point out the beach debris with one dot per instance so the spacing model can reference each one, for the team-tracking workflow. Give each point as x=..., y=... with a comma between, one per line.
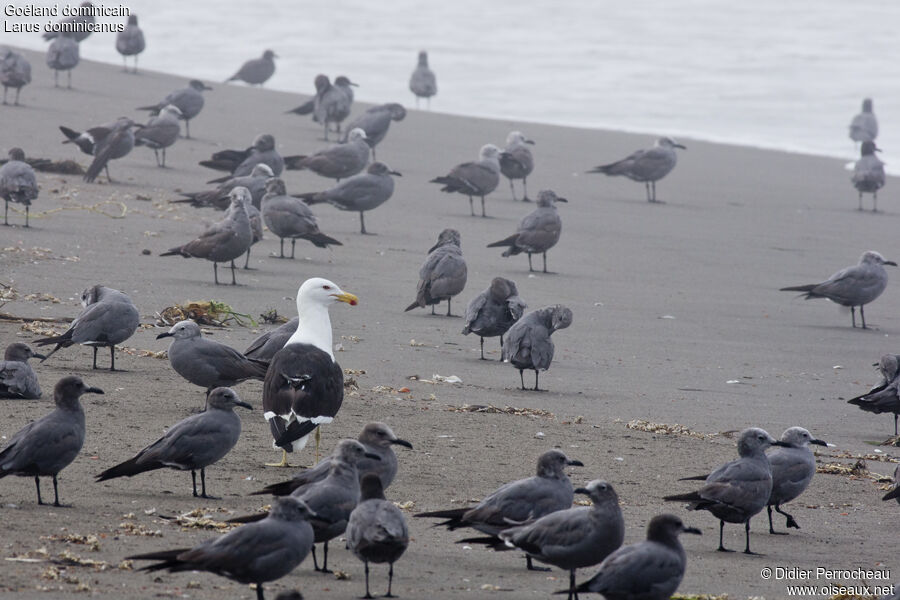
x=270, y=315
x=442, y=379
x=203, y=312
x=857, y=469
x=507, y=410
x=667, y=429
x=200, y=518
x=91, y=541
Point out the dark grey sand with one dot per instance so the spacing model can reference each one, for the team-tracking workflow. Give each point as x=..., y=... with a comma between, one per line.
x=672, y=304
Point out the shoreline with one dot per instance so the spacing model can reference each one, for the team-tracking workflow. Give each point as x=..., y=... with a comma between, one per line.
x=677, y=321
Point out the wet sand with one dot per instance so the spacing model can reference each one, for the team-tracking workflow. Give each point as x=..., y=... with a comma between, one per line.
x=677, y=320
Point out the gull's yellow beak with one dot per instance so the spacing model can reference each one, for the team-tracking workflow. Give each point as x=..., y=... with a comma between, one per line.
x=346, y=297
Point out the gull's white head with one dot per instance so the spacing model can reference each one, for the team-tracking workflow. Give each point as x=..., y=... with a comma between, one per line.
x=517, y=138
x=323, y=292
x=262, y=170
x=667, y=142
x=356, y=134
x=875, y=258
x=172, y=110
x=489, y=151
x=182, y=330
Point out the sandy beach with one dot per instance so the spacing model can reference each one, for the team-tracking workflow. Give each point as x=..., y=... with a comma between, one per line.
x=677, y=320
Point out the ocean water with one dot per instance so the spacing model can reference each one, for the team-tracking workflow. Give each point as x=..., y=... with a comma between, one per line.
x=769, y=73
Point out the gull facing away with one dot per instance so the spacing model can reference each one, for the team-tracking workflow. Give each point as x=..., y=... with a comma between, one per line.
x=62, y=55
x=868, y=174
x=304, y=386
x=574, y=538
x=288, y=217
x=160, y=132
x=256, y=71
x=220, y=198
x=492, y=312
x=130, y=42
x=109, y=318
x=241, y=162
x=517, y=162
x=75, y=24
x=864, y=126
x=528, y=343
x=538, y=231
x=519, y=501
x=17, y=378
x=18, y=183
x=376, y=121
x=884, y=397
x=443, y=274
x=737, y=490
x=646, y=166
x=853, y=286
x=15, y=72
x=255, y=553
x=360, y=193
x=223, y=241
x=339, y=161
x=188, y=100
x=191, y=444
x=206, y=362
x=649, y=570
x=48, y=445
x=377, y=438
x=793, y=467
x=377, y=530
x=423, y=82
x=478, y=178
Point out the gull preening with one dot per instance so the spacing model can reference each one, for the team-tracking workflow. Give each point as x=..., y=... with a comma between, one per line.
x=492, y=312
x=528, y=343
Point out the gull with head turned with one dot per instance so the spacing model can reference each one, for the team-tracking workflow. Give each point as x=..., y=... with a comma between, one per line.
x=304, y=386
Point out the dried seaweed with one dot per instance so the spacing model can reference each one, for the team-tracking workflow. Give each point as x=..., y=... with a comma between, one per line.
x=211, y=312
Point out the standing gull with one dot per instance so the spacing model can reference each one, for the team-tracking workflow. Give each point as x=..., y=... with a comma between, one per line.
x=220, y=198
x=478, y=178
x=188, y=100
x=255, y=553
x=377, y=530
x=332, y=498
x=884, y=397
x=864, y=126
x=853, y=286
x=332, y=103
x=223, y=241
x=868, y=174
x=894, y=493
x=208, y=363
x=793, y=468
x=256, y=227
x=108, y=144
x=423, y=83
x=322, y=84
x=519, y=501
x=646, y=166
x=516, y=162
x=47, y=446
x=62, y=55
x=256, y=71
x=241, y=162
x=288, y=217
x=339, y=161
x=109, y=318
x=130, y=42
x=528, y=343
x=360, y=193
x=105, y=143
x=376, y=121
x=15, y=72
x=17, y=183
x=266, y=345
x=377, y=438
x=191, y=444
x=538, y=231
x=17, y=378
x=304, y=386
x=342, y=108
x=492, y=312
x=574, y=538
x=160, y=132
x=739, y=489
x=649, y=570
x=443, y=274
